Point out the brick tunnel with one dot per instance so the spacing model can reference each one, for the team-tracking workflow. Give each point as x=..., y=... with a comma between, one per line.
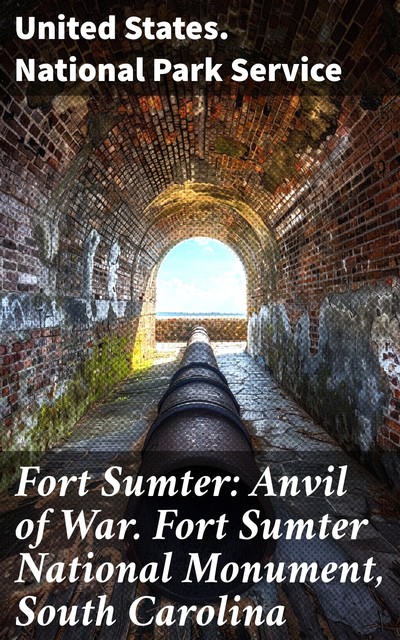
x=301, y=179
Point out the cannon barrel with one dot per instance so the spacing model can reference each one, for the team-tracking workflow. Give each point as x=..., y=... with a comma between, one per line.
x=198, y=429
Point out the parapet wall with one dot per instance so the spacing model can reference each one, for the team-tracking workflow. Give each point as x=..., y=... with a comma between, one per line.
x=218, y=329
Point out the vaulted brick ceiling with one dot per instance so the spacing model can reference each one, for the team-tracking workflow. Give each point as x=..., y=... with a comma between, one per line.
x=148, y=164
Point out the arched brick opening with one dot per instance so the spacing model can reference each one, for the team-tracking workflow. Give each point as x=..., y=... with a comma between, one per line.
x=211, y=298
x=100, y=179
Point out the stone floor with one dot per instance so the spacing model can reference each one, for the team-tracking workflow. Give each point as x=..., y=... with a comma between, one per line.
x=288, y=441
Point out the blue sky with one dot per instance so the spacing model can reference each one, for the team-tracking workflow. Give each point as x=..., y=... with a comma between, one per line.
x=201, y=275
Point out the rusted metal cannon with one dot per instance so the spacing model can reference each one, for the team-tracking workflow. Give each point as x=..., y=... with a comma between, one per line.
x=198, y=434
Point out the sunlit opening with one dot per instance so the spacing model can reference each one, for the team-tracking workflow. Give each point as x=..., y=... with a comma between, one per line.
x=201, y=277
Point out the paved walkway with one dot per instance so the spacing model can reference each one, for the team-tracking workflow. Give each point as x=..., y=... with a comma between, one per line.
x=287, y=441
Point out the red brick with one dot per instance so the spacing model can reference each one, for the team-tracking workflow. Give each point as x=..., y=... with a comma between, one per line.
x=394, y=437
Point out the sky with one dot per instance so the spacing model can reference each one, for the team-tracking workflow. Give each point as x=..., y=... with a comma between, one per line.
x=201, y=275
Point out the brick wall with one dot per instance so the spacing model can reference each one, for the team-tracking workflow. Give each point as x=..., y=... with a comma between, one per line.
x=50, y=376
x=344, y=230
x=348, y=234
x=338, y=282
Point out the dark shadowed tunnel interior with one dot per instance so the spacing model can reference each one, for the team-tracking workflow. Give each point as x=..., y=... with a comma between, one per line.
x=100, y=180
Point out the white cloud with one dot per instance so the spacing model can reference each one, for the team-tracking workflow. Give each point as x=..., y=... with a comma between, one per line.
x=204, y=243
